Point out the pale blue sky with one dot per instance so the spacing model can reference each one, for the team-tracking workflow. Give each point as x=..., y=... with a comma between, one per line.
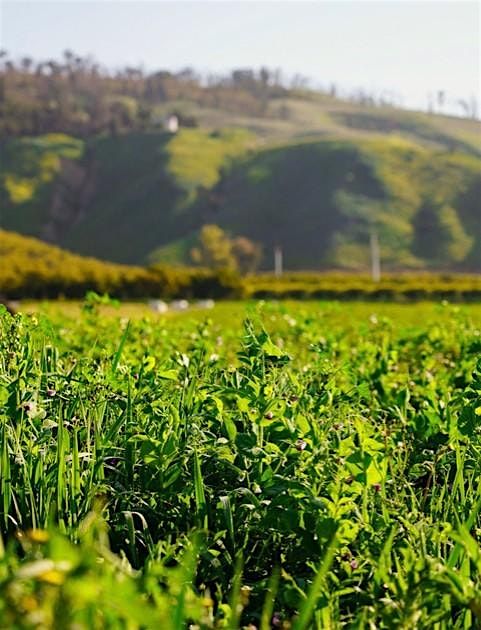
x=413, y=48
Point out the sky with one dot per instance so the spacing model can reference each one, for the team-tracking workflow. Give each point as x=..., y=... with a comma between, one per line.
x=411, y=48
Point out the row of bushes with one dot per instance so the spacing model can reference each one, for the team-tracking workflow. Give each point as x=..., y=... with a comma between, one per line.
x=32, y=269
x=193, y=283
x=400, y=287
x=129, y=284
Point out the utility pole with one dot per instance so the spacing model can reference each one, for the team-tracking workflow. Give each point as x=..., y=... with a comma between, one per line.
x=375, y=257
x=277, y=261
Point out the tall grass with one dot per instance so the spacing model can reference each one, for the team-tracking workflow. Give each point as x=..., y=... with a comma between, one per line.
x=317, y=472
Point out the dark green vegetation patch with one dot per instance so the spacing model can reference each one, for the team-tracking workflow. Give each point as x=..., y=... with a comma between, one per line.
x=321, y=468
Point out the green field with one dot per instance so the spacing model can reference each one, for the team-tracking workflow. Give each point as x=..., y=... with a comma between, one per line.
x=258, y=465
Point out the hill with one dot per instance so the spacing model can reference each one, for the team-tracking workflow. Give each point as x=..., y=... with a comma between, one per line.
x=32, y=268
x=143, y=196
x=303, y=170
x=320, y=201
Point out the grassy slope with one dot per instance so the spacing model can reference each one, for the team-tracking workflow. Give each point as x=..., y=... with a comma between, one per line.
x=310, y=115
x=134, y=196
x=288, y=177
x=318, y=201
x=28, y=170
x=23, y=257
x=141, y=183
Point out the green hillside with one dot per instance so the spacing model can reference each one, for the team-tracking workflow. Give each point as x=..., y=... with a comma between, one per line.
x=116, y=198
x=311, y=173
x=308, y=115
x=320, y=201
x=30, y=169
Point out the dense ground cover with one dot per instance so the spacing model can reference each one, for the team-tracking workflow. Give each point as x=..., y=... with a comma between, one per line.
x=317, y=465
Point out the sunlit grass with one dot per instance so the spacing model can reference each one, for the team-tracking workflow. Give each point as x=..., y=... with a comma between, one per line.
x=308, y=463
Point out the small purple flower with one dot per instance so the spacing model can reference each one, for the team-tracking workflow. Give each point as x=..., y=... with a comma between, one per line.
x=353, y=564
x=377, y=487
x=269, y=415
x=276, y=620
x=51, y=392
x=29, y=406
x=300, y=445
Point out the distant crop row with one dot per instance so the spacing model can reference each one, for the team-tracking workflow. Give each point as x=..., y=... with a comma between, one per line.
x=402, y=287
x=31, y=269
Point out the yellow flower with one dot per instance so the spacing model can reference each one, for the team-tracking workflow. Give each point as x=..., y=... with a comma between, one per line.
x=52, y=577
x=37, y=535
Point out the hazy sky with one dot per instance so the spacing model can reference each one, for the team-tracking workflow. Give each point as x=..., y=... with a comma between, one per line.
x=412, y=48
